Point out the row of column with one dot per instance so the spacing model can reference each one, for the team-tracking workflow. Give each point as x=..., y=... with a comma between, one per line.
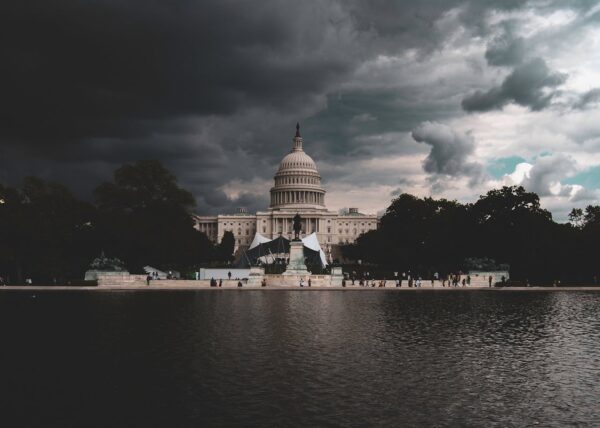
x=284, y=225
x=298, y=196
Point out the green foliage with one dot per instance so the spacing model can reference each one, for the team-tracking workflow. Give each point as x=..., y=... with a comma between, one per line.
x=142, y=217
x=507, y=225
x=106, y=263
x=226, y=247
x=140, y=186
x=576, y=217
x=44, y=232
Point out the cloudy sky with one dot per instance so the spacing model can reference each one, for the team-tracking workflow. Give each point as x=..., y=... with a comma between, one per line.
x=435, y=98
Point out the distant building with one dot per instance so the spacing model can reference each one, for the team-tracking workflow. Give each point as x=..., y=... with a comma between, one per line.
x=297, y=189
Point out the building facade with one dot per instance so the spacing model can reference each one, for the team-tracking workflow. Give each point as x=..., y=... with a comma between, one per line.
x=297, y=190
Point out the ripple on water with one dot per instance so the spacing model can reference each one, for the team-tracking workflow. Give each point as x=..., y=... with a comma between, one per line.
x=288, y=358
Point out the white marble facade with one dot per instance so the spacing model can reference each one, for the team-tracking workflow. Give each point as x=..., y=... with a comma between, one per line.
x=297, y=189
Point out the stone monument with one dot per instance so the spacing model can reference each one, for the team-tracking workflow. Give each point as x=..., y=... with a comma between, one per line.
x=105, y=266
x=296, y=265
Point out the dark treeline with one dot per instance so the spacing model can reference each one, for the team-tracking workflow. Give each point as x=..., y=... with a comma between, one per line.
x=506, y=225
x=142, y=217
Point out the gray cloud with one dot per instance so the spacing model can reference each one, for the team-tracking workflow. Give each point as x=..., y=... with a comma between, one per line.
x=588, y=98
x=531, y=85
x=547, y=172
x=449, y=153
x=506, y=49
x=213, y=88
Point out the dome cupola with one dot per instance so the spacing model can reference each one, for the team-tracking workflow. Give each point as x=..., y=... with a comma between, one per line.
x=297, y=181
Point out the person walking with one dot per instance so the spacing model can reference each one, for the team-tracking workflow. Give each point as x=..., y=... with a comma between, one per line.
x=229, y=275
x=301, y=282
x=148, y=278
x=220, y=282
x=468, y=280
x=490, y=281
x=309, y=282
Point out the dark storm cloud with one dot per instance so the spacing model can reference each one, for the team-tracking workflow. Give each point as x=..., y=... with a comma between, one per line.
x=450, y=151
x=214, y=88
x=531, y=85
x=506, y=49
x=104, y=68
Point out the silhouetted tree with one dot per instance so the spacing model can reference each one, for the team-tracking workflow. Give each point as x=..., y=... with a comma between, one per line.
x=576, y=217
x=415, y=234
x=226, y=247
x=511, y=227
x=506, y=225
x=144, y=219
x=45, y=232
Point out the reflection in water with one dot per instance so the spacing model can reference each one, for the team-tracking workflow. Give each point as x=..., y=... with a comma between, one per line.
x=296, y=358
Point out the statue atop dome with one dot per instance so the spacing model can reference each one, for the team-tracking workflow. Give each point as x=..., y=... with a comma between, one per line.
x=297, y=140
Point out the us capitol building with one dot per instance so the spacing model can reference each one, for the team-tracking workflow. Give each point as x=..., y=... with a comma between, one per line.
x=297, y=190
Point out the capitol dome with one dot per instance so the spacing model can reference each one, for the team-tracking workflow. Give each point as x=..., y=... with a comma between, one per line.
x=297, y=181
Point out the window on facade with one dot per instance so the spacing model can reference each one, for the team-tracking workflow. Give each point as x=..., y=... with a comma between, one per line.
x=329, y=230
x=329, y=239
x=264, y=229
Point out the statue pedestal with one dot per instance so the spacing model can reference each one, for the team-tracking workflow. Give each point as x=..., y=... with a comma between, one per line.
x=296, y=264
x=255, y=276
x=336, y=276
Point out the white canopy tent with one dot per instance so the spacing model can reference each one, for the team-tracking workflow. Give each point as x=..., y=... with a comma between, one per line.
x=259, y=239
x=311, y=242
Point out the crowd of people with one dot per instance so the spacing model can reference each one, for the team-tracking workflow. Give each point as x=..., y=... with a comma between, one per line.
x=458, y=279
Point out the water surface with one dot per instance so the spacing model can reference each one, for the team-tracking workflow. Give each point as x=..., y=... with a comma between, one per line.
x=300, y=358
